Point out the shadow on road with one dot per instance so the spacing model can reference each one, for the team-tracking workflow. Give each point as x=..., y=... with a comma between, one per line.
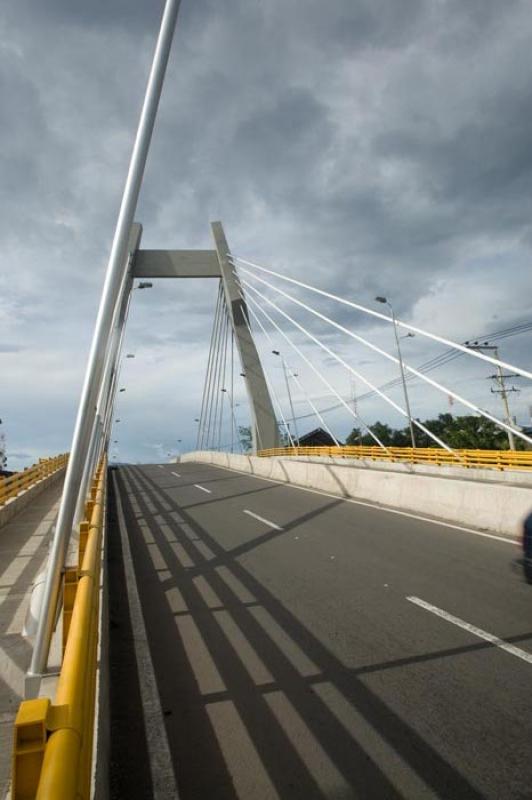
x=254, y=704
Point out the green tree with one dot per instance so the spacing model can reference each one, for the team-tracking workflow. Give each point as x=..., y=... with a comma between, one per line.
x=468, y=432
x=244, y=432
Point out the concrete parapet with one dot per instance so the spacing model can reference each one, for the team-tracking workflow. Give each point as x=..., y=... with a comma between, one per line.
x=483, y=499
x=15, y=506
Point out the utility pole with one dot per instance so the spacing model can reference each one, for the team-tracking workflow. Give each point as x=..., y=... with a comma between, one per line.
x=499, y=378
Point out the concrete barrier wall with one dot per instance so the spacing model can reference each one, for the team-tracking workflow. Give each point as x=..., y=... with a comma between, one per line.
x=458, y=496
x=15, y=505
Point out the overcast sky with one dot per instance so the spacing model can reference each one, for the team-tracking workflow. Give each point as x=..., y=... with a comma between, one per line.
x=368, y=146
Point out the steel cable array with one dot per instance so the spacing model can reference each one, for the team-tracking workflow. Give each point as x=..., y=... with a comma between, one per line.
x=456, y=350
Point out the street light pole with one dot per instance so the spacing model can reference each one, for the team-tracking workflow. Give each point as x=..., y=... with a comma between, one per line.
x=285, y=370
x=234, y=426
x=401, y=366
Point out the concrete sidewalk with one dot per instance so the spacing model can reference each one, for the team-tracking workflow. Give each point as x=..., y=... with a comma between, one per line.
x=23, y=551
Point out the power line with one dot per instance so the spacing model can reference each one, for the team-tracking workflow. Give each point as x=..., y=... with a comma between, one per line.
x=438, y=361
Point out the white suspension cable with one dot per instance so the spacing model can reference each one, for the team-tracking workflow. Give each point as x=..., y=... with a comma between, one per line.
x=210, y=392
x=272, y=391
x=213, y=411
x=223, y=387
x=326, y=383
x=379, y=315
x=301, y=387
x=350, y=369
x=324, y=380
x=444, y=389
x=205, y=395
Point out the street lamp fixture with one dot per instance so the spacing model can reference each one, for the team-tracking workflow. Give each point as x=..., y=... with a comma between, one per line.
x=386, y=302
x=145, y=285
x=122, y=390
x=130, y=355
x=287, y=382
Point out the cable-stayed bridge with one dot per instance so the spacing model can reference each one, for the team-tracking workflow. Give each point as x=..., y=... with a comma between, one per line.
x=282, y=621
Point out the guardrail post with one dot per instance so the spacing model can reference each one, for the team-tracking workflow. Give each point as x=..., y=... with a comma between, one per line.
x=30, y=738
x=70, y=584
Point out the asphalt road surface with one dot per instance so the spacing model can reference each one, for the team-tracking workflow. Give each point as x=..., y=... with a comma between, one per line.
x=271, y=642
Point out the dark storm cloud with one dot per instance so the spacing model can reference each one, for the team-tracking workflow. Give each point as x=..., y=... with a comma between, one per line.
x=95, y=14
x=368, y=146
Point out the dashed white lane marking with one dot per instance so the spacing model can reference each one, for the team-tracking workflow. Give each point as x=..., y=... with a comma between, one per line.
x=176, y=474
x=466, y=626
x=162, y=772
x=261, y=519
x=203, y=489
x=385, y=509
x=160, y=466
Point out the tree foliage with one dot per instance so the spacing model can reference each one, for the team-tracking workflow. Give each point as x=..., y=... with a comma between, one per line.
x=244, y=432
x=467, y=432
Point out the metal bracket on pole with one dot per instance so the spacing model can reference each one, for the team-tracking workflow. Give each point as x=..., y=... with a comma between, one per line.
x=264, y=430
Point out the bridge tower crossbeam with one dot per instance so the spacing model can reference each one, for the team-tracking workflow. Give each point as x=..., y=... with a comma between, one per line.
x=149, y=264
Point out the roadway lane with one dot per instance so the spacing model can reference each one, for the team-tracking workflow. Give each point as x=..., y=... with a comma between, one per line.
x=305, y=646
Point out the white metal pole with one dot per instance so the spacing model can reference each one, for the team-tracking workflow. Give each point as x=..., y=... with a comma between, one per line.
x=401, y=367
x=118, y=262
x=99, y=426
x=285, y=370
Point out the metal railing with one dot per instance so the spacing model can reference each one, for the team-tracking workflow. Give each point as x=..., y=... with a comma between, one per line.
x=485, y=459
x=12, y=485
x=52, y=751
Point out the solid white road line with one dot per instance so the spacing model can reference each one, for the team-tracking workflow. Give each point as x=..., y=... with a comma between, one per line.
x=162, y=771
x=203, y=489
x=462, y=528
x=261, y=519
x=466, y=626
x=176, y=474
x=160, y=466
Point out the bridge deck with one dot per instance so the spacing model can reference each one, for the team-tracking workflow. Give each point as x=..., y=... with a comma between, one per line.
x=23, y=550
x=288, y=656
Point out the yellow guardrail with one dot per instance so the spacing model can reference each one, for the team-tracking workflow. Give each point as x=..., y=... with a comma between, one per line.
x=52, y=751
x=487, y=459
x=13, y=485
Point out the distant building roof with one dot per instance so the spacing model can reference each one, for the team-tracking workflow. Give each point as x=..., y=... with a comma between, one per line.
x=316, y=438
